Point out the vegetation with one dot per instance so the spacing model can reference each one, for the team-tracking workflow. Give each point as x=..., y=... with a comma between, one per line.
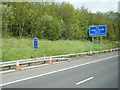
x=54, y=21
x=16, y=49
x=60, y=27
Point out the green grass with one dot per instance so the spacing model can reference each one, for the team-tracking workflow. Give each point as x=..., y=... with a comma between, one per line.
x=16, y=49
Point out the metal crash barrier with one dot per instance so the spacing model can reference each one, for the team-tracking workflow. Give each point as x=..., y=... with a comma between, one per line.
x=42, y=60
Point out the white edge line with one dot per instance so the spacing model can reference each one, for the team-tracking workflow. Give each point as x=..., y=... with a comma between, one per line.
x=34, y=66
x=27, y=68
x=56, y=71
x=84, y=80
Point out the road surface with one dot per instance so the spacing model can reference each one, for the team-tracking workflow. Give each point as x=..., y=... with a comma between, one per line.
x=97, y=71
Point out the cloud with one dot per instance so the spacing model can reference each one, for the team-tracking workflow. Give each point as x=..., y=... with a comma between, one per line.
x=96, y=5
x=90, y=1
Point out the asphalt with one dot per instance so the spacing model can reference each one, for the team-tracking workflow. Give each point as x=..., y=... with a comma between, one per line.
x=103, y=74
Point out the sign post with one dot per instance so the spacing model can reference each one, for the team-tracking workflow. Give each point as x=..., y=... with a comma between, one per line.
x=92, y=39
x=101, y=40
x=96, y=31
x=97, y=39
x=35, y=41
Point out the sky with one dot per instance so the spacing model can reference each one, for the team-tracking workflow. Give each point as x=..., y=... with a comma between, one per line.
x=96, y=5
x=92, y=5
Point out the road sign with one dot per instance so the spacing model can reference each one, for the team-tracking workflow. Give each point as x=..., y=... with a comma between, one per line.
x=35, y=43
x=98, y=31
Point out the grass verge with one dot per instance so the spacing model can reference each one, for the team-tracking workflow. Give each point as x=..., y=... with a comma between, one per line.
x=16, y=49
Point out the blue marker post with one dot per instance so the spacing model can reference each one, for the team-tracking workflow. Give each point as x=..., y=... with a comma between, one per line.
x=35, y=41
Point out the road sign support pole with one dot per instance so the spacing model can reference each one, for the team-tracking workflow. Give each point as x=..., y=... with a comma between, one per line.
x=101, y=40
x=36, y=53
x=97, y=39
x=92, y=39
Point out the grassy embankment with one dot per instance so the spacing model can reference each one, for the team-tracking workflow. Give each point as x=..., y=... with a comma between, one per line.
x=16, y=49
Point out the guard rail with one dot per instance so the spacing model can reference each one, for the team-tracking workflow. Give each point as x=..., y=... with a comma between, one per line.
x=44, y=59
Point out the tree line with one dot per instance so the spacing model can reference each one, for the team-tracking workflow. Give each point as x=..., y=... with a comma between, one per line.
x=54, y=21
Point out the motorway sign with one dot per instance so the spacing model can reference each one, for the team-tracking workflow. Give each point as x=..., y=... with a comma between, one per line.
x=35, y=43
x=98, y=31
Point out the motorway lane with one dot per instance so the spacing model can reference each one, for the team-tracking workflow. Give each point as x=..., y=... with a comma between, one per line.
x=9, y=77
x=104, y=73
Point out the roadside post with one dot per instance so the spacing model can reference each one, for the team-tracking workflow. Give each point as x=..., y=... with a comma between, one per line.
x=90, y=53
x=35, y=41
x=50, y=61
x=111, y=50
x=44, y=57
x=17, y=65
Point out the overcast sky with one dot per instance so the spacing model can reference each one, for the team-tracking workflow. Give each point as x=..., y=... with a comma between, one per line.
x=92, y=5
x=95, y=5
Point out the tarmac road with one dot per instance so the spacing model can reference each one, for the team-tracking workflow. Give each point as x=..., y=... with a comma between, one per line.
x=97, y=71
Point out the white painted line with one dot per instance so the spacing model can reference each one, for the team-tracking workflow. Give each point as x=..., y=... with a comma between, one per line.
x=24, y=68
x=29, y=67
x=33, y=66
x=56, y=71
x=2, y=72
x=37, y=66
x=56, y=62
x=84, y=81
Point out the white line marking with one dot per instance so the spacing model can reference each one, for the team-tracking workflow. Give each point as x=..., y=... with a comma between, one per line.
x=57, y=71
x=56, y=62
x=84, y=81
x=34, y=66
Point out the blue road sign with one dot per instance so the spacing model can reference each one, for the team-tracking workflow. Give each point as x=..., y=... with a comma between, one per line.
x=98, y=31
x=35, y=43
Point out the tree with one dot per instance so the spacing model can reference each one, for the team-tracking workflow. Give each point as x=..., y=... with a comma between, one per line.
x=54, y=21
